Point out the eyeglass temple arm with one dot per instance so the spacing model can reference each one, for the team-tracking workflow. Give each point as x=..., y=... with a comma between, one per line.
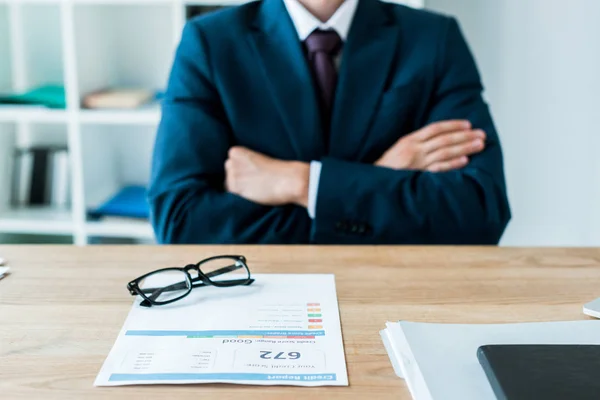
x=156, y=292
x=176, y=286
x=224, y=270
x=234, y=282
x=196, y=282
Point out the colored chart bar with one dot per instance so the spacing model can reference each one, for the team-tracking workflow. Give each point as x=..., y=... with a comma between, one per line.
x=315, y=320
x=313, y=304
x=227, y=334
x=314, y=310
x=315, y=327
x=256, y=337
x=314, y=315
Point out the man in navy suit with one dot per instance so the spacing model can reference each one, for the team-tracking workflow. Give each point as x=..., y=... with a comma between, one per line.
x=326, y=122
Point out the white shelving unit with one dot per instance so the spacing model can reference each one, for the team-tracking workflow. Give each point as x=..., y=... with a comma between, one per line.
x=86, y=45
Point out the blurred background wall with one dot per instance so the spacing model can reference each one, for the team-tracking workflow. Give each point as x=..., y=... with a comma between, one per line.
x=540, y=61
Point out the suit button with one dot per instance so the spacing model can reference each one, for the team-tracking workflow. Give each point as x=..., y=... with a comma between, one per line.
x=362, y=229
x=341, y=226
x=354, y=228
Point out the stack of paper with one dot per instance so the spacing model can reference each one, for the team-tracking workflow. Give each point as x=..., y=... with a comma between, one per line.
x=592, y=308
x=3, y=271
x=439, y=361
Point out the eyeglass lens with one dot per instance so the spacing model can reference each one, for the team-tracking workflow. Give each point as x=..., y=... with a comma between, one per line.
x=165, y=285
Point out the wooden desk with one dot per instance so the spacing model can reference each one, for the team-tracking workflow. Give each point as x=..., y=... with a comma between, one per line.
x=62, y=307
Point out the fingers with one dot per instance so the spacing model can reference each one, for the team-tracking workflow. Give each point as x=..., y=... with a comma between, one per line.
x=437, y=128
x=238, y=152
x=450, y=165
x=456, y=151
x=440, y=146
x=235, y=162
x=452, y=139
x=229, y=167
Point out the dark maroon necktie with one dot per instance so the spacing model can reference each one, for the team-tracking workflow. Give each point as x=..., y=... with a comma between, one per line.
x=323, y=47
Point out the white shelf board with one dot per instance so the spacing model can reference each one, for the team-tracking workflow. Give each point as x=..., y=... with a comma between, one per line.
x=122, y=2
x=128, y=2
x=36, y=221
x=120, y=228
x=31, y=1
x=149, y=116
x=9, y=113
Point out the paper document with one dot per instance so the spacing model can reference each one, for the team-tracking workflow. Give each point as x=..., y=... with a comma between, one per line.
x=4, y=271
x=592, y=308
x=281, y=330
x=439, y=361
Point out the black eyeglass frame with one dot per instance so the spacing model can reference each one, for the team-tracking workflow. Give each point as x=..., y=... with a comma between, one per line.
x=191, y=283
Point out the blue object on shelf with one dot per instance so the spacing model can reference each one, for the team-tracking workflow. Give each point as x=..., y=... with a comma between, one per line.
x=129, y=202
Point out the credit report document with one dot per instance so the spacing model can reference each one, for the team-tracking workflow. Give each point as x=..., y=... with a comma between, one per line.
x=281, y=330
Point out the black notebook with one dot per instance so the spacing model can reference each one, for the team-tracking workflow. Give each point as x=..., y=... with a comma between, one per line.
x=548, y=372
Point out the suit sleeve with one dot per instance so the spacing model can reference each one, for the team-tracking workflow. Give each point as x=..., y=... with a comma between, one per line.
x=360, y=203
x=186, y=194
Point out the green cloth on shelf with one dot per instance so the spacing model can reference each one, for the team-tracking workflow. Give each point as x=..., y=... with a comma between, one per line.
x=51, y=96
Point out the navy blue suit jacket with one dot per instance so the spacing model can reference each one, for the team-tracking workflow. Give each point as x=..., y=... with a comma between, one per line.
x=240, y=78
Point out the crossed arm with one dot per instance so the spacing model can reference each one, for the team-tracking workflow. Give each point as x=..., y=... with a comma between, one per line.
x=439, y=147
x=442, y=184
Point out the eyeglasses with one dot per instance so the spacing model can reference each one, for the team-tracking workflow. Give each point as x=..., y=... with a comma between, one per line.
x=167, y=285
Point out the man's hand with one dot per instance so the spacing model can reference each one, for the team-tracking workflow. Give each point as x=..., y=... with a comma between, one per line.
x=265, y=180
x=439, y=147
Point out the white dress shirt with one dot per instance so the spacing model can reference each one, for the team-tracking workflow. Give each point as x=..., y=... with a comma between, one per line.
x=305, y=24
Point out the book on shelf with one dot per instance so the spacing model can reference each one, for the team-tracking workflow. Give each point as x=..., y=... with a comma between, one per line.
x=60, y=178
x=22, y=178
x=41, y=177
x=118, y=98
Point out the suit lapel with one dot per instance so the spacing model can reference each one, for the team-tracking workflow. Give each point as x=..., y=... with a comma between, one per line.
x=288, y=78
x=366, y=61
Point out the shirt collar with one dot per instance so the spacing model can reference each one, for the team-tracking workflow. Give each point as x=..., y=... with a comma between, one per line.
x=305, y=23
